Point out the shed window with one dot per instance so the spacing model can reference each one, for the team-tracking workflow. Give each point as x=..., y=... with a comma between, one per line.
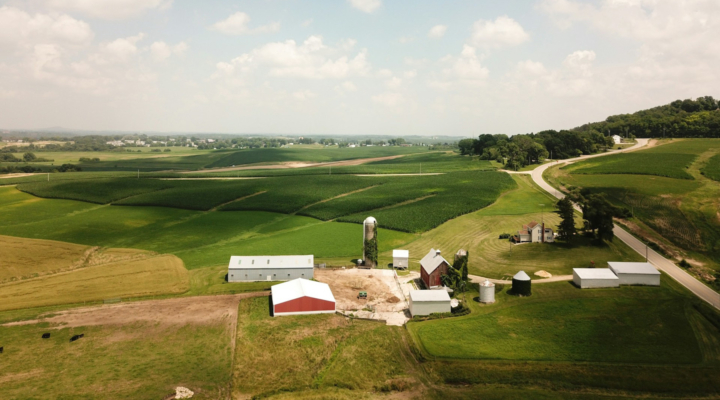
x=274, y=274
x=288, y=275
x=302, y=274
x=253, y=262
x=268, y=262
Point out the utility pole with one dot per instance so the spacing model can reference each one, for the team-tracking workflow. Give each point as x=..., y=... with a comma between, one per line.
x=542, y=213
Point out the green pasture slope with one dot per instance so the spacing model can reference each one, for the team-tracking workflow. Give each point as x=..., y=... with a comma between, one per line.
x=681, y=211
x=408, y=203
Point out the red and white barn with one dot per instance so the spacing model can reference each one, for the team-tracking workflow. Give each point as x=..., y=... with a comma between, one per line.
x=432, y=267
x=301, y=296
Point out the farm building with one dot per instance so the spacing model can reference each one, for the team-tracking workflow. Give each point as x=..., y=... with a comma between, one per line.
x=301, y=296
x=617, y=139
x=521, y=284
x=636, y=273
x=269, y=268
x=535, y=233
x=586, y=278
x=432, y=267
x=401, y=259
x=426, y=302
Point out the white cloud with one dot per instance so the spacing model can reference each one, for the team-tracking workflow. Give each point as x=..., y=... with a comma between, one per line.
x=580, y=60
x=162, y=50
x=410, y=74
x=345, y=87
x=110, y=9
x=393, y=83
x=389, y=99
x=309, y=60
x=367, y=6
x=504, y=31
x=19, y=28
x=237, y=24
x=437, y=31
x=303, y=95
x=466, y=68
x=119, y=50
x=531, y=68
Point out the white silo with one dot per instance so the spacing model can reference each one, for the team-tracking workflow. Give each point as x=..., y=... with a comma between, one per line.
x=369, y=226
x=487, y=292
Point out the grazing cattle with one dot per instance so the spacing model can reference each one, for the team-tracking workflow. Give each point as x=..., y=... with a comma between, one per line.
x=76, y=337
x=46, y=336
x=1, y=350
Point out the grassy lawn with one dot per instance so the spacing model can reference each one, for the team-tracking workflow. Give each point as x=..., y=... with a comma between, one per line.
x=492, y=257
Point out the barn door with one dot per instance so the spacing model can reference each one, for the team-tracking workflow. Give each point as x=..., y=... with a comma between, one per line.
x=269, y=277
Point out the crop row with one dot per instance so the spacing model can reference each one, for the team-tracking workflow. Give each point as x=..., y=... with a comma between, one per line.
x=408, y=203
x=712, y=168
x=671, y=165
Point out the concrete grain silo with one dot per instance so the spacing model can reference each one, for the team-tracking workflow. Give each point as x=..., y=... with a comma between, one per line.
x=521, y=284
x=487, y=292
x=369, y=227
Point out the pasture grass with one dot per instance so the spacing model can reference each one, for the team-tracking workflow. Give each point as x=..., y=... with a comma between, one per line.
x=319, y=352
x=561, y=322
x=132, y=361
x=147, y=277
x=638, y=163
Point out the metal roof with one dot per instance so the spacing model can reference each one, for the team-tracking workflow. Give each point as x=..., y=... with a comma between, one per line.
x=429, y=295
x=401, y=253
x=595, y=273
x=300, y=287
x=521, y=276
x=642, y=268
x=260, y=262
x=431, y=261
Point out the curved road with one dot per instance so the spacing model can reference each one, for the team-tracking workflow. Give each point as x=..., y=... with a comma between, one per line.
x=656, y=259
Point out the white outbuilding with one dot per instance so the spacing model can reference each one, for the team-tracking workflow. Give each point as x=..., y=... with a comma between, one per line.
x=586, y=278
x=617, y=139
x=401, y=259
x=636, y=273
x=426, y=302
x=270, y=268
x=302, y=296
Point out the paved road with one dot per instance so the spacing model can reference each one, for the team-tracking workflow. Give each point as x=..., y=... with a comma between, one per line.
x=662, y=263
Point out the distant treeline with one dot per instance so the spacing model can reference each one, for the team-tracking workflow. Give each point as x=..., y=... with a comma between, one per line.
x=679, y=119
x=520, y=150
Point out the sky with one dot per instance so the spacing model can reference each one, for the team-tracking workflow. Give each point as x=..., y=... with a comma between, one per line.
x=375, y=67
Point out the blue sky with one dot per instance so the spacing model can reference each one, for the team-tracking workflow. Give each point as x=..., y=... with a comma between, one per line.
x=349, y=66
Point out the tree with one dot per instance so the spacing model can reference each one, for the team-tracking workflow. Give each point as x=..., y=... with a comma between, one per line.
x=566, y=229
x=466, y=146
x=29, y=157
x=598, y=214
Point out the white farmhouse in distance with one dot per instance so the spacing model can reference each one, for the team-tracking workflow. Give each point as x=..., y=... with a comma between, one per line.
x=617, y=139
x=535, y=233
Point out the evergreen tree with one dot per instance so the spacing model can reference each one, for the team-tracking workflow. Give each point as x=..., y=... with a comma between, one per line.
x=566, y=229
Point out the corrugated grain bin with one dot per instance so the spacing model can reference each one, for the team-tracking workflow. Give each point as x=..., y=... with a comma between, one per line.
x=521, y=284
x=487, y=292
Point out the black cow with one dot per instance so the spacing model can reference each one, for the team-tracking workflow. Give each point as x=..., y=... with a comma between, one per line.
x=76, y=337
x=46, y=336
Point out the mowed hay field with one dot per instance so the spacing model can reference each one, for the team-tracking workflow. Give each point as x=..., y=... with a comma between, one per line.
x=681, y=215
x=26, y=258
x=139, y=350
x=492, y=257
x=157, y=275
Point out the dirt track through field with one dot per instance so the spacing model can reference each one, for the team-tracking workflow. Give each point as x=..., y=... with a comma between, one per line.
x=295, y=164
x=178, y=311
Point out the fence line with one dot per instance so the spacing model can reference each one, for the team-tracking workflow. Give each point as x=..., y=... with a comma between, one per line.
x=397, y=281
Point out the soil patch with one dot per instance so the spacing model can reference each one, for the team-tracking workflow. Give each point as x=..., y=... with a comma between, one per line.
x=180, y=311
x=383, y=294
